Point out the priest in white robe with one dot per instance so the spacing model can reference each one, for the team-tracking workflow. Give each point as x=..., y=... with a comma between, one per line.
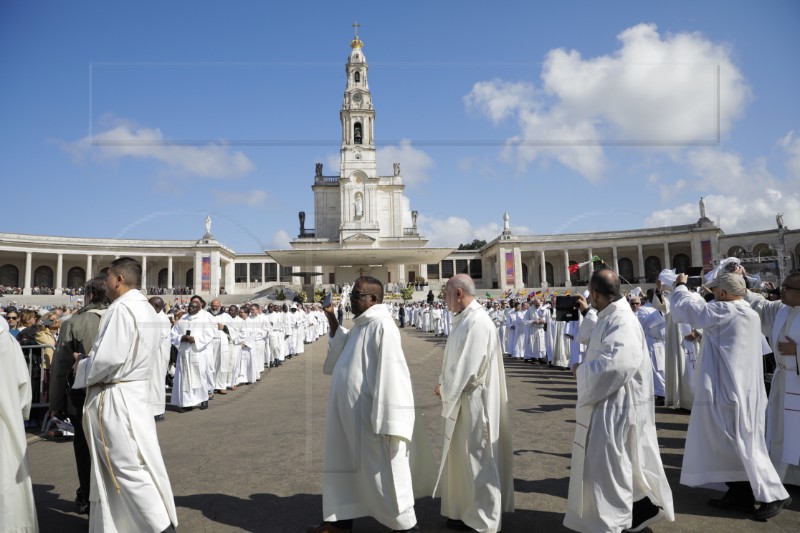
x=476, y=481
x=617, y=480
x=130, y=489
x=193, y=336
x=371, y=439
x=538, y=318
x=220, y=347
x=780, y=322
x=17, y=510
x=725, y=441
x=158, y=381
x=235, y=334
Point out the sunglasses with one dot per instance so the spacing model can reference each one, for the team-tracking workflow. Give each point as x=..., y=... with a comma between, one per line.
x=12, y=317
x=355, y=295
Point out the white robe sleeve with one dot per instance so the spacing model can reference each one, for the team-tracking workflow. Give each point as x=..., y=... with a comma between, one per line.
x=616, y=358
x=766, y=310
x=467, y=372
x=693, y=310
x=586, y=326
x=111, y=348
x=335, y=348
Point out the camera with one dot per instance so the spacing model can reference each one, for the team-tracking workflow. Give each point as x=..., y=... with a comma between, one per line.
x=567, y=308
x=695, y=280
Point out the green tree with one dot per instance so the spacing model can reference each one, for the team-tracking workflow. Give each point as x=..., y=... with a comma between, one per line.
x=476, y=244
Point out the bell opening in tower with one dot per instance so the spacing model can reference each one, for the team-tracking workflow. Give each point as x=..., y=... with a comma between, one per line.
x=357, y=133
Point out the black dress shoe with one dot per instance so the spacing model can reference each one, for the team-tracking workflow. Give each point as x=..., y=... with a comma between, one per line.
x=742, y=505
x=203, y=405
x=659, y=401
x=457, y=525
x=414, y=528
x=185, y=409
x=645, y=513
x=768, y=510
x=159, y=418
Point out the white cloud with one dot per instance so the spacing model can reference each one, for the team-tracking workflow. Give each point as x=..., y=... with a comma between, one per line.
x=414, y=163
x=126, y=139
x=791, y=146
x=735, y=213
x=655, y=89
x=453, y=230
x=280, y=240
x=253, y=198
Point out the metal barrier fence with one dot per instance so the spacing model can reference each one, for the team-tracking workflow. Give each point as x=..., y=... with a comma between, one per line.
x=34, y=354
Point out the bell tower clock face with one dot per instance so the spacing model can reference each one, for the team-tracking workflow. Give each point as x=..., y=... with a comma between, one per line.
x=357, y=98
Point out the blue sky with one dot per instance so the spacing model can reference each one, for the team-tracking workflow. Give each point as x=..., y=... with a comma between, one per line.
x=571, y=116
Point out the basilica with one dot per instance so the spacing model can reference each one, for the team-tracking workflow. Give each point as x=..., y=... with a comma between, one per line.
x=358, y=230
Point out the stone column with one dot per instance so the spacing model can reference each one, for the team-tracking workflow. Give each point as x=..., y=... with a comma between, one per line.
x=198, y=272
x=591, y=263
x=144, y=272
x=519, y=282
x=263, y=272
x=641, y=261
x=59, y=289
x=230, y=272
x=169, y=272
x=501, y=269
x=401, y=275
x=697, y=251
x=277, y=272
x=615, y=258
x=89, y=267
x=215, y=274
x=666, y=255
x=567, y=282
x=26, y=289
x=543, y=268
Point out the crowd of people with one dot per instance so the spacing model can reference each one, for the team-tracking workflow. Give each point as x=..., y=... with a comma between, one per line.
x=671, y=346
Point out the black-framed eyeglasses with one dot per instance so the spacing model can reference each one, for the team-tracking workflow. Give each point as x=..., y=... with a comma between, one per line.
x=355, y=295
x=785, y=287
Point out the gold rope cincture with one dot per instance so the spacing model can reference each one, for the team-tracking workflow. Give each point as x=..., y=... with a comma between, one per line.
x=103, y=436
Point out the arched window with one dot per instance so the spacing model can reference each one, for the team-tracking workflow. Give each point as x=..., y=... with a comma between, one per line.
x=736, y=251
x=162, y=277
x=357, y=77
x=548, y=273
x=681, y=263
x=190, y=278
x=625, y=269
x=652, y=267
x=763, y=250
x=9, y=276
x=357, y=133
x=43, y=277
x=76, y=277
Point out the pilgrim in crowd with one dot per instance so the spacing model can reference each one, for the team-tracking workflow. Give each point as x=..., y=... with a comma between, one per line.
x=629, y=353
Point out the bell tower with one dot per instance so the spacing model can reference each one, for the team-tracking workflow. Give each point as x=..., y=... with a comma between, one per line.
x=357, y=115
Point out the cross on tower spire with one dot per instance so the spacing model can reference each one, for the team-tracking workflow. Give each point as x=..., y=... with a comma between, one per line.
x=356, y=25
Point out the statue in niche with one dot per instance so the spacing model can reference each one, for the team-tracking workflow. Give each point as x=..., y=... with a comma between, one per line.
x=702, y=208
x=302, y=216
x=319, y=170
x=208, y=225
x=359, y=206
x=414, y=219
x=396, y=168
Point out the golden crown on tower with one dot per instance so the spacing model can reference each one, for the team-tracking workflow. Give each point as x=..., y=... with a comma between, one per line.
x=356, y=43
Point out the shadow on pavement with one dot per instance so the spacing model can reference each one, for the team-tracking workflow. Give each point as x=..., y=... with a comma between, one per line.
x=55, y=514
